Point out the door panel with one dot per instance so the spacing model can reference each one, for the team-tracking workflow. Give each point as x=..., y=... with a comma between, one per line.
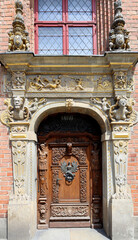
x=71, y=182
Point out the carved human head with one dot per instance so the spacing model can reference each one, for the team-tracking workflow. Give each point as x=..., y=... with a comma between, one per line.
x=122, y=102
x=18, y=102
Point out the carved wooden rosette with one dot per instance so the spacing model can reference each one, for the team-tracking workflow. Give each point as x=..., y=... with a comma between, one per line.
x=42, y=201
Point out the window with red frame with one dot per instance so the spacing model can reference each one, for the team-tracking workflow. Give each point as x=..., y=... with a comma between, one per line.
x=65, y=27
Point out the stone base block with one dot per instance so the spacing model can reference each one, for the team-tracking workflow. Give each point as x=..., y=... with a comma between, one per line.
x=3, y=228
x=21, y=221
x=122, y=225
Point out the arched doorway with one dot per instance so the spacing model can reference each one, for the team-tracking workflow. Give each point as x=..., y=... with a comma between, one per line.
x=69, y=172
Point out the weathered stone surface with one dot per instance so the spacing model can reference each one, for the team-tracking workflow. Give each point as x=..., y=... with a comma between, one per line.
x=122, y=220
x=21, y=222
x=136, y=227
x=3, y=228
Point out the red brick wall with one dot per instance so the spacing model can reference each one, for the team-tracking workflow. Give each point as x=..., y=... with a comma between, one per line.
x=130, y=13
x=6, y=173
x=7, y=13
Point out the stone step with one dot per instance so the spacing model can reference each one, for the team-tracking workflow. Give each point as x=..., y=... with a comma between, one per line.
x=70, y=234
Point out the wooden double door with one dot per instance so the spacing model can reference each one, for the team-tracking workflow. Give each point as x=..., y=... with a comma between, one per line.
x=69, y=180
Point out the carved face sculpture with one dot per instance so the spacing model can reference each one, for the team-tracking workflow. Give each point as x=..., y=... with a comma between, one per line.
x=122, y=102
x=18, y=102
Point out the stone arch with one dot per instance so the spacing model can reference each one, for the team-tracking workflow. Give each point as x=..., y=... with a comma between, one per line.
x=78, y=107
x=102, y=120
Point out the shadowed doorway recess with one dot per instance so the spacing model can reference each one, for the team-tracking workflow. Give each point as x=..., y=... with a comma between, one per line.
x=69, y=172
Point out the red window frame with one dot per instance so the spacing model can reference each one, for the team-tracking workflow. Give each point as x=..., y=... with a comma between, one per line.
x=65, y=24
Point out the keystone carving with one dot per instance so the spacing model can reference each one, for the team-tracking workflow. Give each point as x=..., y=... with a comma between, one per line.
x=18, y=37
x=121, y=110
x=69, y=103
x=118, y=36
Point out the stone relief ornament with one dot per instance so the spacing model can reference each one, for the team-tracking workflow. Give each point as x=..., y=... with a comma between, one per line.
x=79, y=84
x=69, y=103
x=19, y=158
x=120, y=158
x=122, y=110
x=18, y=37
x=18, y=129
x=103, y=83
x=15, y=111
x=118, y=36
x=18, y=80
x=34, y=105
x=39, y=83
x=120, y=80
x=103, y=103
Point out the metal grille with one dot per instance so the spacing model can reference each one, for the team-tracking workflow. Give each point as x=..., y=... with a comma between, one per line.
x=50, y=40
x=50, y=10
x=80, y=41
x=79, y=10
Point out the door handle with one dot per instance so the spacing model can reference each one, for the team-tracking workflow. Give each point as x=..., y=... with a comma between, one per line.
x=57, y=181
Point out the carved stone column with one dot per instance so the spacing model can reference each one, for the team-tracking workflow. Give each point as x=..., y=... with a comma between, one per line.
x=121, y=203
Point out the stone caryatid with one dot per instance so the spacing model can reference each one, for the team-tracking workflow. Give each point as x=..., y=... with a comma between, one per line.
x=118, y=35
x=121, y=111
x=18, y=37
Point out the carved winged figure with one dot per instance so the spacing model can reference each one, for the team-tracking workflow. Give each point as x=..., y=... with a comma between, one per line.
x=68, y=170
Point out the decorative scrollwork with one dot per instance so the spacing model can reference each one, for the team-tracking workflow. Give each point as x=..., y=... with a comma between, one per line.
x=69, y=211
x=55, y=186
x=83, y=185
x=57, y=154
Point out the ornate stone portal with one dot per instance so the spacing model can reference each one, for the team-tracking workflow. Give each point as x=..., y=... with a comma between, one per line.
x=98, y=86
x=105, y=96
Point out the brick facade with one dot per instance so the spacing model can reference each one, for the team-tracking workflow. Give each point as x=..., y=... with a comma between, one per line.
x=7, y=13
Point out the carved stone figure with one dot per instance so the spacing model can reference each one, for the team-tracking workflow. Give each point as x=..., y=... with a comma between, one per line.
x=118, y=36
x=104, y=104
x=35, y=104
x=18, y=37
x=121, y=110
x=19, y=112
x=79, y=84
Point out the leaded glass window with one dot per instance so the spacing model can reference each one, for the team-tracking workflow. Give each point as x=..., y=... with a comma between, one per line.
x=65, y=27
